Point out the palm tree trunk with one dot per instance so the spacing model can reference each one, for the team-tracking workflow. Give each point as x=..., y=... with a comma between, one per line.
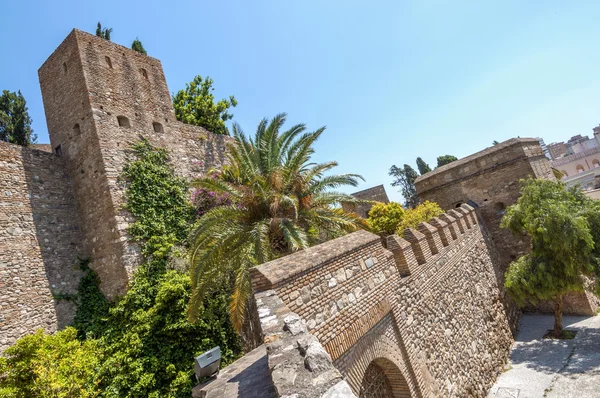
x=558, y=309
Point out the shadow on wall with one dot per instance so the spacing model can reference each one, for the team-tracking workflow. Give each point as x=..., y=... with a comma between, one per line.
x=56, y=229
x=511, y=309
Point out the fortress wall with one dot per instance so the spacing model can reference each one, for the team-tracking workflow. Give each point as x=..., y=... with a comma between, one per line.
x=39, y=243
x=490, y=179
x=428, y=304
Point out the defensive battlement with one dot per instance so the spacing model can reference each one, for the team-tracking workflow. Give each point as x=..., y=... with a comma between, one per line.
x=361, y=250
x=480, y=162
x=345, y=296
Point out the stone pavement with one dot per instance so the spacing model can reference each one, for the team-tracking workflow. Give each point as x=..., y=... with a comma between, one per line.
x=248, y=377
x=552, y=368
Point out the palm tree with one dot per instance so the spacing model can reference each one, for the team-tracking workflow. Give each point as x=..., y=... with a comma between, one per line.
x=279, y=203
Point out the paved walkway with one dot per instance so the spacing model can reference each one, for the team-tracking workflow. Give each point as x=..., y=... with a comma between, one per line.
x=248, y=377
x=552, y=368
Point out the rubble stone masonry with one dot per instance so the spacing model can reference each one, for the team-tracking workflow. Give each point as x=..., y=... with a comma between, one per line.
x=426, y=313
x=40, y=242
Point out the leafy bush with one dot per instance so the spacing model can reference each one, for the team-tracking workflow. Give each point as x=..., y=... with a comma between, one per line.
x=205, y=199
x=92, y=306
x=421, y=213
x=563, y=226
x=150, y=346
x=196, y=105
x=385, y=218
x=45, y=365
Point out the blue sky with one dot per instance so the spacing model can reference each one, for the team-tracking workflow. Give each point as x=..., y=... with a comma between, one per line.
x=391, y=80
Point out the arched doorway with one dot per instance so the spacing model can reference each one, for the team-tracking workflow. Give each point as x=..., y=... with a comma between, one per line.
x=383, y=379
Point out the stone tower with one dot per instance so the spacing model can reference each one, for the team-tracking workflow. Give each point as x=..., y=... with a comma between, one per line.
x=99, y=98
x=489, y=179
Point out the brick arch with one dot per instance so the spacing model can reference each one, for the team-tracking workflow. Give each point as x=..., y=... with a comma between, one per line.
x=383, y=379
x=381, y=345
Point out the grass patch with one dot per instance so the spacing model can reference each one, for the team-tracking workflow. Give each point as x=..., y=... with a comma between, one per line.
x=564, y=335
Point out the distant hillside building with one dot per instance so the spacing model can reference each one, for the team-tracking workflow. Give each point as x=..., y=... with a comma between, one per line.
x=557, y=150
x=581, y=166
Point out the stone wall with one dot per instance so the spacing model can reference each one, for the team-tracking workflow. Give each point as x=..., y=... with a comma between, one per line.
x=39, y=243
x=426, y=312
x=376, y=194
x=99, y=99
x=489, y=179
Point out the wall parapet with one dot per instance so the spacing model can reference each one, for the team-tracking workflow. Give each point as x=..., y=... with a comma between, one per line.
x=297, y=360
x=503, y=154
x=345, y=289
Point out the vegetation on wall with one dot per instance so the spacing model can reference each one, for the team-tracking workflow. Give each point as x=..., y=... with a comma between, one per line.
x=196, y=105
x=564, y=226
x=103, y=32
x=280, y=202
x=138, y=46
x=142, y=345
x=445, y=159
x=149, y=343
x=15, y=123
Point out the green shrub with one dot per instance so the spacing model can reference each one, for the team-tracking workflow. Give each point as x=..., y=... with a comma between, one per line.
x=150, y=346
x=45, y=365
x=421, y=213
x=385, y=218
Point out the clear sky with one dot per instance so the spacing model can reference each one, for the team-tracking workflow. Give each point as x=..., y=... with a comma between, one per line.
x=391, y=80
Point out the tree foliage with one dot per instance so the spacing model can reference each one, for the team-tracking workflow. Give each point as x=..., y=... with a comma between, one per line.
x=103, y=32
x=138, y=46
x=281, y=202
x=445, y=159
x=50, y=366
x=422, y=166
x=15, y=123
x=405, y=179
x=421, y=213
x=196, y=105
x=384, y=218
x=562, y=226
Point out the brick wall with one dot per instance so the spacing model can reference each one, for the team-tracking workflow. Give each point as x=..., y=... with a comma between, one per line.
x=39, y=243
x=429, y=305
